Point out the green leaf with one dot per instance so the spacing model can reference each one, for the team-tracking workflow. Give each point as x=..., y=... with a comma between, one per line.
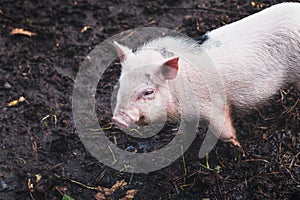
x=67, y=197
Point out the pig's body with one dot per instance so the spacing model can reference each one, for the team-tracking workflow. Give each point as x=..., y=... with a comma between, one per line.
x=254, y=57
x=258, y=54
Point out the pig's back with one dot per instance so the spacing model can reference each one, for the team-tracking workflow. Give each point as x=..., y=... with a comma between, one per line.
x=258, y=55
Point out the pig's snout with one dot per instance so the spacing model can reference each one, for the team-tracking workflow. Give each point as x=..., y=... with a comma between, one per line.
x=118, y=121
x=125, y=119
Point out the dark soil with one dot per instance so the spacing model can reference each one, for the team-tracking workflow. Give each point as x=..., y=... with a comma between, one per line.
x=42, y=156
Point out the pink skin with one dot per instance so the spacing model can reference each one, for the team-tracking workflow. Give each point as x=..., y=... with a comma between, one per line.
x=127, y=115
x=124, y=120
x=119, y=122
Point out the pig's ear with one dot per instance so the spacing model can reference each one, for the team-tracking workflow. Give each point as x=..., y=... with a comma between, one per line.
x=122, y=51
x=170, y=68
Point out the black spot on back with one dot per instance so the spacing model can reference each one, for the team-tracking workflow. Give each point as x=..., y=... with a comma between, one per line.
x=203, y=38
x=134, y=50
x=165, y=53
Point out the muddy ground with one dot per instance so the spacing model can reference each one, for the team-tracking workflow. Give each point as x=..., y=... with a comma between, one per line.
x=41, y=155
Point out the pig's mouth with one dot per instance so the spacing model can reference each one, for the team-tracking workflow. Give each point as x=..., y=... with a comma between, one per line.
x=142, y=121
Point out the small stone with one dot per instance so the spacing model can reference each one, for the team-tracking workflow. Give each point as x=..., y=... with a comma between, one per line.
x=7, y=85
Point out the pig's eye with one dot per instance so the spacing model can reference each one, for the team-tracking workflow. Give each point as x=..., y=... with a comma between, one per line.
x=148, y=94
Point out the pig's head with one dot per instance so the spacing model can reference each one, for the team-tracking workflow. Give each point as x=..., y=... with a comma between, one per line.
x=144, y=95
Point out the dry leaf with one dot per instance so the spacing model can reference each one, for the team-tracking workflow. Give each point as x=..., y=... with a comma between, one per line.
x=85, y=28
x=257, y=4
x=21, y=99
x=118, y=184
x=264, y=136
x=30, y=185
x=20, y=31
x=253, y=4
x=38, y=177
x=100, y=196
x=16, y=102
x=104, y=193
x=129, y=195
x=13, y=103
